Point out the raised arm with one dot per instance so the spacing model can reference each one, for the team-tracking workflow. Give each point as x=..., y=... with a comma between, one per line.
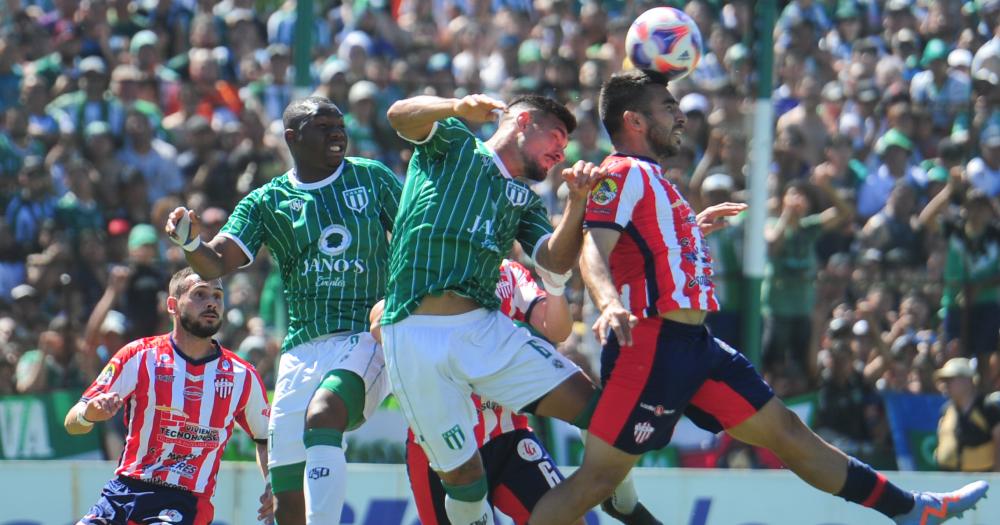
x=414, y=118
x=213, y=259
x=560, y=253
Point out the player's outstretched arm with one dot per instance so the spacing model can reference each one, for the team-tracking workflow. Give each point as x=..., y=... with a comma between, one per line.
x=414, y=118
x=211, y=260
x=597, y=246
x=560, y=253
x=265, y=513
x=81, y=417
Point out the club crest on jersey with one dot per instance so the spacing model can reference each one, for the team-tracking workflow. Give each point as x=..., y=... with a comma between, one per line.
x=356, y=198
x=224, y=387
x=643, y=431
x=454, y=438
x=517, y=194
x=296, y=205
x=604, y=192
x=334, y=240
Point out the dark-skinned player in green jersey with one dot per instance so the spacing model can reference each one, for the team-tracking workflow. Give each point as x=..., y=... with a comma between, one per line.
x=325, y=223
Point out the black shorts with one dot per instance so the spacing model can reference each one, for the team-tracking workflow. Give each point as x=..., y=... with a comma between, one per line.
x=518, y=470
x=127, y=501
x=672, y=369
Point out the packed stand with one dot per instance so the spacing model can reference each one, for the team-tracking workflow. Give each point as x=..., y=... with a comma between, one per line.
x=883, y=239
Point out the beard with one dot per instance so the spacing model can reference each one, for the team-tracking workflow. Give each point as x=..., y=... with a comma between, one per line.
x=661, y=139
x=199, y=328
x=534, y=171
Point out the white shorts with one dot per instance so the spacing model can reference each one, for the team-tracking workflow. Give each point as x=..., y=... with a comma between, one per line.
x=301, y=370
x=435, y=362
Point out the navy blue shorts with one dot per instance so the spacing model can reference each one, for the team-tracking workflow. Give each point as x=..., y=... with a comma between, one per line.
x=672, y=369
x=126, y=501
x=519, y=472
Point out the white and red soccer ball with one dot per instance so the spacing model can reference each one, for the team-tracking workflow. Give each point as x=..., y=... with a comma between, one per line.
x=664, y=39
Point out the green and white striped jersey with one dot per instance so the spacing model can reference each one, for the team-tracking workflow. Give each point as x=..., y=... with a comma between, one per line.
x=459, y=216
x=329, y=240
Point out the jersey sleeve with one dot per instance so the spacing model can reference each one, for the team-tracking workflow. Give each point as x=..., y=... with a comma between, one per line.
x=389, y=192
x=614, y=197
x=526, y=291
x=245, y=226
x=257, y=410
x=119, y=376
x=535, y=226
x=445, y=135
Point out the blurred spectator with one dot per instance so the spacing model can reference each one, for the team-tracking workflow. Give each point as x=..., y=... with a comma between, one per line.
x=969, y=429
x=983, y=172
x=846, y=404
x=155, y=159
x=32, y=206
x=92, y=102
x=895, y=150
x=145, y=282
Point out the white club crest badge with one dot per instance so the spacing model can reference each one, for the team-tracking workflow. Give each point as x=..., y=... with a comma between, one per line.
x=356, y=198
x=517, y=194
x=297, y=205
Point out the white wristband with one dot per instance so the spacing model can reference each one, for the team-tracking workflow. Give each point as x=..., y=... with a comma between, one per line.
x=554, y=283
x=82, y=420
x=192, y=245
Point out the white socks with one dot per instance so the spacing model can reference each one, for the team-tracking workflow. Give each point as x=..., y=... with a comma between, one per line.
x=468, y=512
x=624, y=498
x=325, y=487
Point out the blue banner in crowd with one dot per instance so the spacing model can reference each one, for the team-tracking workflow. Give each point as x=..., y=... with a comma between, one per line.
x=913, y=420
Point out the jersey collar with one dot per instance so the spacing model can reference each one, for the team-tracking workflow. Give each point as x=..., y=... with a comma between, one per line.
x=640, y=157
x=298, y=184
x=496, y=160
x=209, y=358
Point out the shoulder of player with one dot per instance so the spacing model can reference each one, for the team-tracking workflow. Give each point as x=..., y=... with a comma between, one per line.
x=144, y=344
x=236, y=359
x=371, y=166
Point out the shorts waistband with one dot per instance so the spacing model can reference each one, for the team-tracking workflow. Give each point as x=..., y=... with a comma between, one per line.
x=679, y=328
x=446, y=320
x=150, y=484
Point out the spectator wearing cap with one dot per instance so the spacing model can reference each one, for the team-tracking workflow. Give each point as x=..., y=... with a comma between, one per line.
x=360, y=121
x=943, y=90
x=145, y=281
x=969, y=429
x=971, y=294
x=155, y=159
x=696, y=108
x=32, y=205
x=727, y=259
x=844, y=33
x=92, y=102
x=858, y=121
x=99, y=150
x=983, y=172
x=894, y=149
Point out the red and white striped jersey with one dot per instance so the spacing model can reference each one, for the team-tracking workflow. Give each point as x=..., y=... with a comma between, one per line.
x=662, y=261
x=180, y=412
x=518, y=292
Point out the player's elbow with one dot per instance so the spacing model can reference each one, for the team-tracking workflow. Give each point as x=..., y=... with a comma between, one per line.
x=396, y=114
x=557, y=332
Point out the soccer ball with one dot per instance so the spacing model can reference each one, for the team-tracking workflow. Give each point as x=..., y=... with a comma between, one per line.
x=664, y=39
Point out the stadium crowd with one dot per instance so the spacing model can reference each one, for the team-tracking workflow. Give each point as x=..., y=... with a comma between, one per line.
x=883, y=237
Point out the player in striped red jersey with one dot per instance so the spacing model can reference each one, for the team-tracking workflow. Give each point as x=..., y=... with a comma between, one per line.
x=649, y=271
x=519, y=469
x=183, y=393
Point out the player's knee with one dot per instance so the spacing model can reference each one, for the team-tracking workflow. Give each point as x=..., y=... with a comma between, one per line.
x=596, y=484
x=326, y=410
x=790, y=435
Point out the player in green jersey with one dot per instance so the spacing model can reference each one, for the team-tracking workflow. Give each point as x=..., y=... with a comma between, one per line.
x=324, y=223
x=462, y=209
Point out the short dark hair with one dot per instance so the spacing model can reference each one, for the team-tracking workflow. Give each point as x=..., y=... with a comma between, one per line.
x=301, y=111
x=179, y=282
x=546, y=105
x=624, y=91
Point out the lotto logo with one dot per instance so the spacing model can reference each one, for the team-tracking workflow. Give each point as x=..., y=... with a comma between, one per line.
x=643, y=431
x=318, y=472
